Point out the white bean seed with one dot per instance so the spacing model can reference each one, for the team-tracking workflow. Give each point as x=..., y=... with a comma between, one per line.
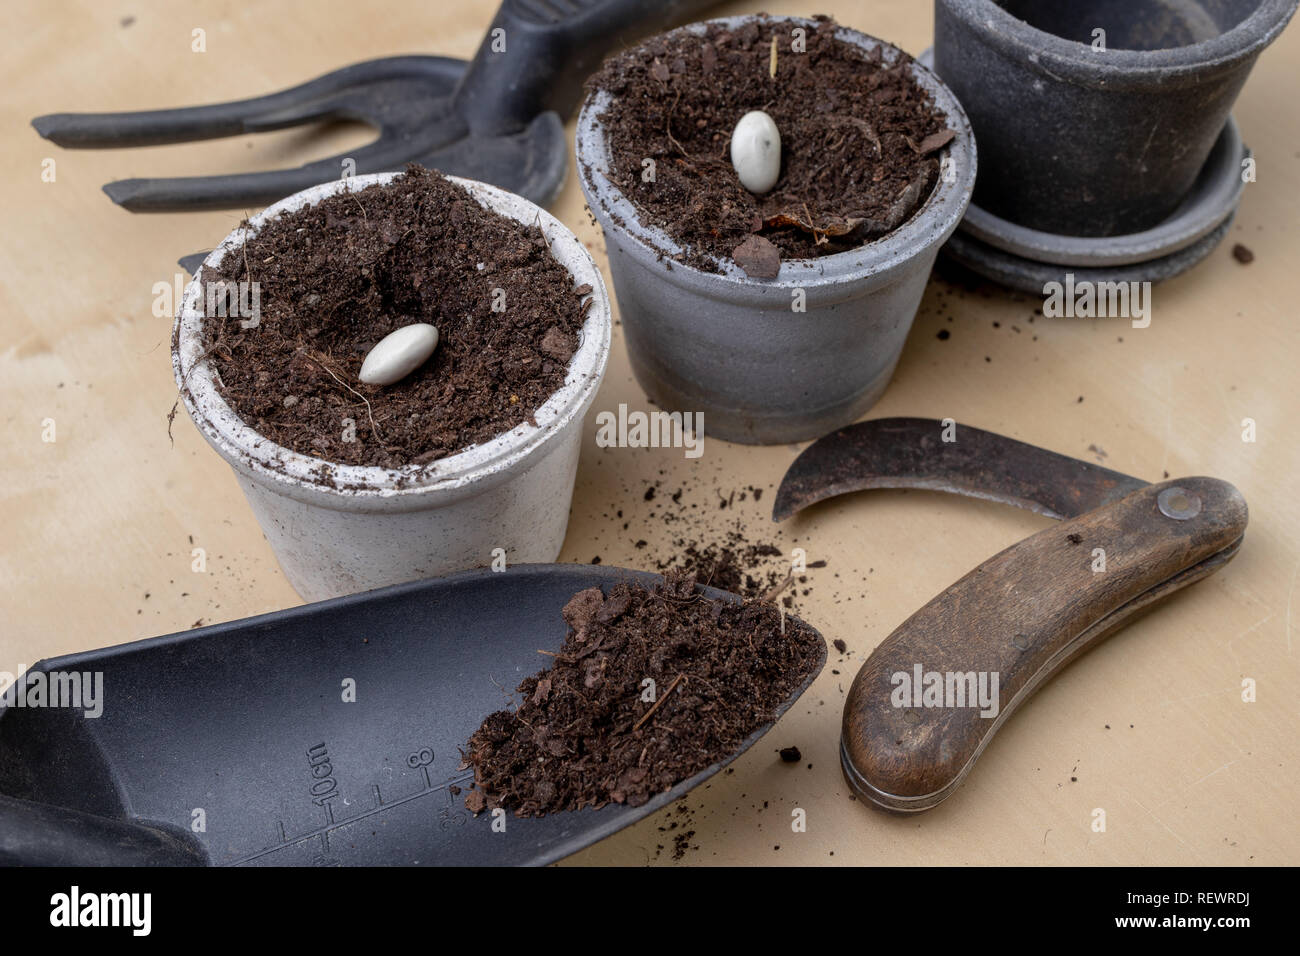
x=756, y=151
x=399, y=354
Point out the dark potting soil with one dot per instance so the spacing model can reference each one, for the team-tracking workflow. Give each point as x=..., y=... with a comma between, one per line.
x=731, y=563
x=582, y=735
x=859, y=141
x=337, y=277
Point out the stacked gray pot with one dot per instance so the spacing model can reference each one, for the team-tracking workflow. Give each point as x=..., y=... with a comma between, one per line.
x=1097, y=121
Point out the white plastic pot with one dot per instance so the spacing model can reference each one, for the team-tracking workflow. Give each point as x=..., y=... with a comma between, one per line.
x=336, y=528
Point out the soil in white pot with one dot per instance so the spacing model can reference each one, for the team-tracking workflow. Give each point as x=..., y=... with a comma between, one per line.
x=336, y=278
x=860, y=140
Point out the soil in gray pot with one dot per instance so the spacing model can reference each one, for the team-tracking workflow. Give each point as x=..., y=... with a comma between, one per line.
x=582, y=734
x=335, y=278
x=859, y=141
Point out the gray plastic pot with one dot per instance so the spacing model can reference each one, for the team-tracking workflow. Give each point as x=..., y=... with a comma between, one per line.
x=1086, y=142
x=731, y=347
x=337, y=529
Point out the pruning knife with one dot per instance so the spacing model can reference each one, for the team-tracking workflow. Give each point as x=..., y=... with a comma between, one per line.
x=1123, y=545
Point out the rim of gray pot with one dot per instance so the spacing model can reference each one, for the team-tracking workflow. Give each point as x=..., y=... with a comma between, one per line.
x=1076, y=62
x=856, y=271
x=1214, y=197
x=1023, y=274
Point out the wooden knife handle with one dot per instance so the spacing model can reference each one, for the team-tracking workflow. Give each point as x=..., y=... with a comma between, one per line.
x=1018, y=618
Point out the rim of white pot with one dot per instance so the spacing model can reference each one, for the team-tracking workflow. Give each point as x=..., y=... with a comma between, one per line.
x=244, y=447
x=1077, y=62
x=873, y=261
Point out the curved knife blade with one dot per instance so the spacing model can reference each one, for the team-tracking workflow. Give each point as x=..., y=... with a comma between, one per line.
x=912, y=453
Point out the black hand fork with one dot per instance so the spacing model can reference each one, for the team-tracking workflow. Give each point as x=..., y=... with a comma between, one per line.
x=403, y=97
x=497, y=119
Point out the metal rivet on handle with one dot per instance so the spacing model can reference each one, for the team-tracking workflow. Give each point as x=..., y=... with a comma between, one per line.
x=1178, y=503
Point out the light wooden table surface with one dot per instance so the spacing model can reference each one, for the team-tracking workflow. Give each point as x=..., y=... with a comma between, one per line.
x=98, y=525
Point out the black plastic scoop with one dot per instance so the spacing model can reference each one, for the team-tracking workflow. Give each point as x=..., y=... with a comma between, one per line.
x=497, y=119
x=244, y=728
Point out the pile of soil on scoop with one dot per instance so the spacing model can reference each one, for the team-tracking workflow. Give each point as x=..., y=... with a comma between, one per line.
x=582, y=735
x=337, y=277
x=859, y=141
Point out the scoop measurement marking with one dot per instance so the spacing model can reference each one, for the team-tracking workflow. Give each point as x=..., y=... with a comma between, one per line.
x=321, y=769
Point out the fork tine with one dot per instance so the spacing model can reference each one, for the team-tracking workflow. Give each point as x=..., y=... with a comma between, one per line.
x=233, y=191
x=420, y=78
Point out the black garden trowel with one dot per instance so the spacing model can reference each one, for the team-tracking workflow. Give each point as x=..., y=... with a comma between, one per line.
x=321, y=735
x=498, y=119
x=1021, y=616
